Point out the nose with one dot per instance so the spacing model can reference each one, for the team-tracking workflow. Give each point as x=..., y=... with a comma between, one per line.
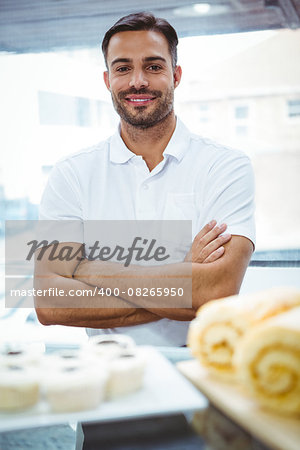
x=138, y=79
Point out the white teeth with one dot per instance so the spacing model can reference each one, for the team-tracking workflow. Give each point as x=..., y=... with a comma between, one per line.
x=139, y=99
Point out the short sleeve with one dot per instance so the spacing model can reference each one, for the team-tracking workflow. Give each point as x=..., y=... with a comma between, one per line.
x=61, y=203
x=229, y=195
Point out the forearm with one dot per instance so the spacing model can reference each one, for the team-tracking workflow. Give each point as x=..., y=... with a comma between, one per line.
x=197, y=282
x=90, y=310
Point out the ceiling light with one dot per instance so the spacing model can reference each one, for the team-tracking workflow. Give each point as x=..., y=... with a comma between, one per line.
x=197, y=9
x=201, y=8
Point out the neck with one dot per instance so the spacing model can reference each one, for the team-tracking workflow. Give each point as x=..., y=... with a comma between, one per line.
x=150, y=142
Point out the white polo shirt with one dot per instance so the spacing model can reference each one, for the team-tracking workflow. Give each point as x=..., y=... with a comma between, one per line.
x=197, y=180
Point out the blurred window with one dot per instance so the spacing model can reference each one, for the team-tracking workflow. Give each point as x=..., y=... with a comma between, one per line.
x=203, y=112
x=241, y=130
x=241, y=112
x=294, y=108
x=59, y=109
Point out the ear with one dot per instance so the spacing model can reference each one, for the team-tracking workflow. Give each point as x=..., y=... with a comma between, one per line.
x=106, y=79
x=177, y=76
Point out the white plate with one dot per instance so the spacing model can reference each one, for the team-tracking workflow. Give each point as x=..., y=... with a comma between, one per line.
x=165, y=391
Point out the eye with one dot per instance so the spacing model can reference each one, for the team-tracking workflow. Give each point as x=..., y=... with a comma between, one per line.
x=122, y=69
x=154, y=68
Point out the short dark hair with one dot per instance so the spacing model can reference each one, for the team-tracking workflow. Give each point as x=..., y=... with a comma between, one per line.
x=143, y=21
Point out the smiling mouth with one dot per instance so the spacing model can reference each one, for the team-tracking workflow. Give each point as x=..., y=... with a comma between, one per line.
x=139, y=101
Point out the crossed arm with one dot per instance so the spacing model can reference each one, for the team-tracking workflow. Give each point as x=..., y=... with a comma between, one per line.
x=214, y=268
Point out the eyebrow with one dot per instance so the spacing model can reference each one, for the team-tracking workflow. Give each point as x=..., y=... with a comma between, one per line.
x=147, y=59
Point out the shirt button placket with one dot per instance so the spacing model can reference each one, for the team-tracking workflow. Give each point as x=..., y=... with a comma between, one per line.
x=144, y=201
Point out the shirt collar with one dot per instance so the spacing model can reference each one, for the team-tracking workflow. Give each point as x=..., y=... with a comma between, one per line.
x=119, y=153
x=177, y=145
x=179, y=142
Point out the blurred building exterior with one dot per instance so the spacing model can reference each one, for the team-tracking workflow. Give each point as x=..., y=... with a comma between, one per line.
x=252, y=102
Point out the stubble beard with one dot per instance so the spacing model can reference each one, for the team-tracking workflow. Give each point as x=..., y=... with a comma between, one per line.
x=141, y=119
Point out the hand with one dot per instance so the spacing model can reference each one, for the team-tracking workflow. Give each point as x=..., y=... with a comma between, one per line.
x=208, y=244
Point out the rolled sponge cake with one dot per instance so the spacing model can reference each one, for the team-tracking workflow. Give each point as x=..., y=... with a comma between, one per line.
x=268, y=362
x=215, y=333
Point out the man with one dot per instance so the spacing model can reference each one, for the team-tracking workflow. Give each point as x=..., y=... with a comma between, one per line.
x=152, y=168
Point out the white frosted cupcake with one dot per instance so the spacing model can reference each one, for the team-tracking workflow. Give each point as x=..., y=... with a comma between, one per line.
x=17, y=353
x=108, y=346
x=19, y=387
x=126, y=373
x=64, y=358
x=75, y=386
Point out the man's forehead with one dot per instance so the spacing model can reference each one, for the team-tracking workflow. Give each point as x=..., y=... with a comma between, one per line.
x=142, y=43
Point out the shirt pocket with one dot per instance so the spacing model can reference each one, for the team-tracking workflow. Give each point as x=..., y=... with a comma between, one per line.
x=180, y=207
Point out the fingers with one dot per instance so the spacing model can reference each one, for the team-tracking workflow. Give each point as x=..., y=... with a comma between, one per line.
x=213, y=234
x=208, y=227
x=207, y=245
x=214, y=245
x=214, y=255
x=208, y=233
